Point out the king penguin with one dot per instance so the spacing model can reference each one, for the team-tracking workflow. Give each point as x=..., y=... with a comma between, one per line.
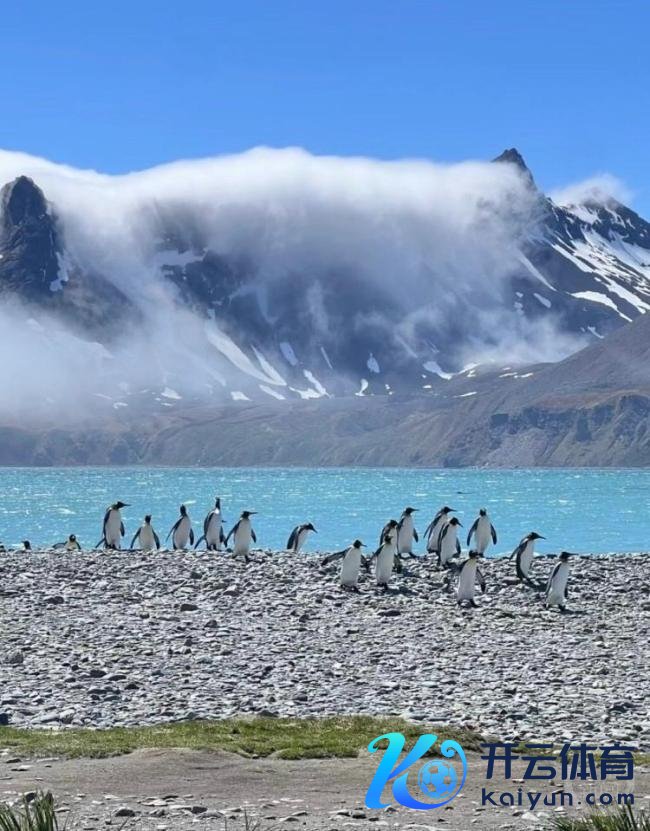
x=385, y=557
x=242, y=533
x=448, y=542
x=557, y=587
x=213, y=533
x=71, y=544
x=181, y=531
x=406, y=532
x=391, y=526
x=524, y=554
x=27, y=546
x=146, y=537
x=298, y=536
x=113, y=528
x=483, y=529
x=435, y=527
x=351, y=565
x=469, y=572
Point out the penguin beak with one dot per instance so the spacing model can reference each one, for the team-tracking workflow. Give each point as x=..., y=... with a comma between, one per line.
x=540, y=537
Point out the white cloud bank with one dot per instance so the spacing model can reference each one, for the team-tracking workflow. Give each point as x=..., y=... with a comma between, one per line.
x=414, y=245
x=601, y=189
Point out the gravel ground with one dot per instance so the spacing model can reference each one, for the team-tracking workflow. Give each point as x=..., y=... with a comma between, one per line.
x=174, y=790
x=103, y=639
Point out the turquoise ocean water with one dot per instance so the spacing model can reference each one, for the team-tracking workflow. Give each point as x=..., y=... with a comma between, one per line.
x=592, y=511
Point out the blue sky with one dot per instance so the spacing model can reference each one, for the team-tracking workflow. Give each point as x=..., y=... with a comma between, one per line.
x=126, y=85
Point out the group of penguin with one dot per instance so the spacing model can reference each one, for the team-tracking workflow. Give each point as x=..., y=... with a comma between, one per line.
x=181, y=532
x=395, y=542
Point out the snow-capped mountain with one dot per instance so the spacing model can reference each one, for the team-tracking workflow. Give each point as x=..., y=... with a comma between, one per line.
x=223, y=314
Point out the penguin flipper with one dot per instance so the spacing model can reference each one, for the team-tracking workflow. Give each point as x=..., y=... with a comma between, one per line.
x=550, y=579
x=481, y=580
x=106, y=515
x=458, y=548
x=156, y=538
x=472, y=530
x=232, y=531
x=135, y=537
x=292, y=538
x=191, y=536
x=122, y=531
x=103, y=540
x=520, y=573
x=206, y=524
x=173, y=528
x=332, y=557
x=222, y=536
x=494, y=534
x=415, y=535
x=253, y=535
x=199, y=541
x=518, y=550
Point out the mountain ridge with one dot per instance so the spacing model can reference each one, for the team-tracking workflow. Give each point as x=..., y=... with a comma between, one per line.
x=317, y=359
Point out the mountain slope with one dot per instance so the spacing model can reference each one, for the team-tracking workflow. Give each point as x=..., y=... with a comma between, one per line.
x=274, y=297
x=591, y=409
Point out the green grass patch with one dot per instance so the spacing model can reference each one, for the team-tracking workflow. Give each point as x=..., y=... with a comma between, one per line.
x=30, y=815
x=625, y=819
x=337, y=737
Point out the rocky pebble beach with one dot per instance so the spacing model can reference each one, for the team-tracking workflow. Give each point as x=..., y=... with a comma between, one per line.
x=104, y=639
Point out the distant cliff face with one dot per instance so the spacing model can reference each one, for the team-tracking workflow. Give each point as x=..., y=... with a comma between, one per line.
x=592, y=409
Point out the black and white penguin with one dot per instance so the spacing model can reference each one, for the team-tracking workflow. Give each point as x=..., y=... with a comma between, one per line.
x=71, y=544
x=181, y=531
x=385, y=557
x=406, y=532
x=146, y=537
x=242, y=534
x=352, y=559
x=213, y=533
x=298, y=536
x=113, y=527
x=524, y=554
x=434, y=528
x=467, y=578
x=391, y=526
x=27, y=546
x=483, y=531
x=557, y=587
x=448, y=543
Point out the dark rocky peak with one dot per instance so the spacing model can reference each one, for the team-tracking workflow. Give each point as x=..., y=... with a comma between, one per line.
x=513, y=156
x=29, y=244
x=22, y=201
